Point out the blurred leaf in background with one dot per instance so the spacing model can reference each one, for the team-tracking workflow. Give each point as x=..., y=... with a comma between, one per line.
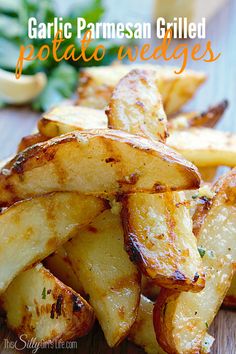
x=62, y=78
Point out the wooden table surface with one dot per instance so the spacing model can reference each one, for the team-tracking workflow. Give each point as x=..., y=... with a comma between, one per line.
x=17, y=122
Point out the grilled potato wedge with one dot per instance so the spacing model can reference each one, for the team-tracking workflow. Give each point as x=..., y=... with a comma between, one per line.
x=181, y=320
x=107, y=275
x=149, y=221
x=30, y=140
x=38, y=226
x=159, y=239
x=59, y=265
x=209, y=118
x=48, y=311
x=97, y=85
x=230, y=299
x=142, y=333
x=205, y=147
x=95, y=162
x=64, y=119
x=136, y=106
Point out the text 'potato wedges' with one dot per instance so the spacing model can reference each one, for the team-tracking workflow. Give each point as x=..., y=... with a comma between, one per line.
x=159, y=239
x=107, y=275
x=40, y=308
x=95, y=162
x=32, y=229
x=136, y=106
x=181, y=320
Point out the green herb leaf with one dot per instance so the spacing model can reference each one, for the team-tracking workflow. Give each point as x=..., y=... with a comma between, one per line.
x=44, y=294
x=201, y=251
x=61, y=85
x=9, y=53
x=10, y=27
x=9, y=7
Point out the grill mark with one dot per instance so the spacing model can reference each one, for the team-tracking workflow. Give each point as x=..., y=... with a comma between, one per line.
x=59, y=305
x=76, y=303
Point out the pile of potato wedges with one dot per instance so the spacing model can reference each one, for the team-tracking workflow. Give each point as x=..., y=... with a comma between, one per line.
x=113, y=212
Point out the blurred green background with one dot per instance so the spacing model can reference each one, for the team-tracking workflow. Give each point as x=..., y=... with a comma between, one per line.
x=62, y=77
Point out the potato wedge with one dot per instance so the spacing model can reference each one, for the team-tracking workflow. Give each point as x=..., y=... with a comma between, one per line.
x=97, y=85
x=230, y=298
x=181, y=320
x=136, y=106
x=65, y=119
x=205, y=147
x=38, y=226
x=60, y=266
x=107, y=275
x=159, y=239
x=209, y=118
x=142, y=333
x=95, y=162
x=152, y=226
x=30, y=140
x=46, y=312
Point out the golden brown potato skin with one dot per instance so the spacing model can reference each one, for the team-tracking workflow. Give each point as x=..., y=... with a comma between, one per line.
x=95, y=162
x=163, y=327
x=211, y=116
x=30, y=140
x=40, y=307
x=208, y=118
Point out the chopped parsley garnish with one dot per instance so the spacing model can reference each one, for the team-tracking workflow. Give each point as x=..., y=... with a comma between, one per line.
x=201, y=251
x=44, y=294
